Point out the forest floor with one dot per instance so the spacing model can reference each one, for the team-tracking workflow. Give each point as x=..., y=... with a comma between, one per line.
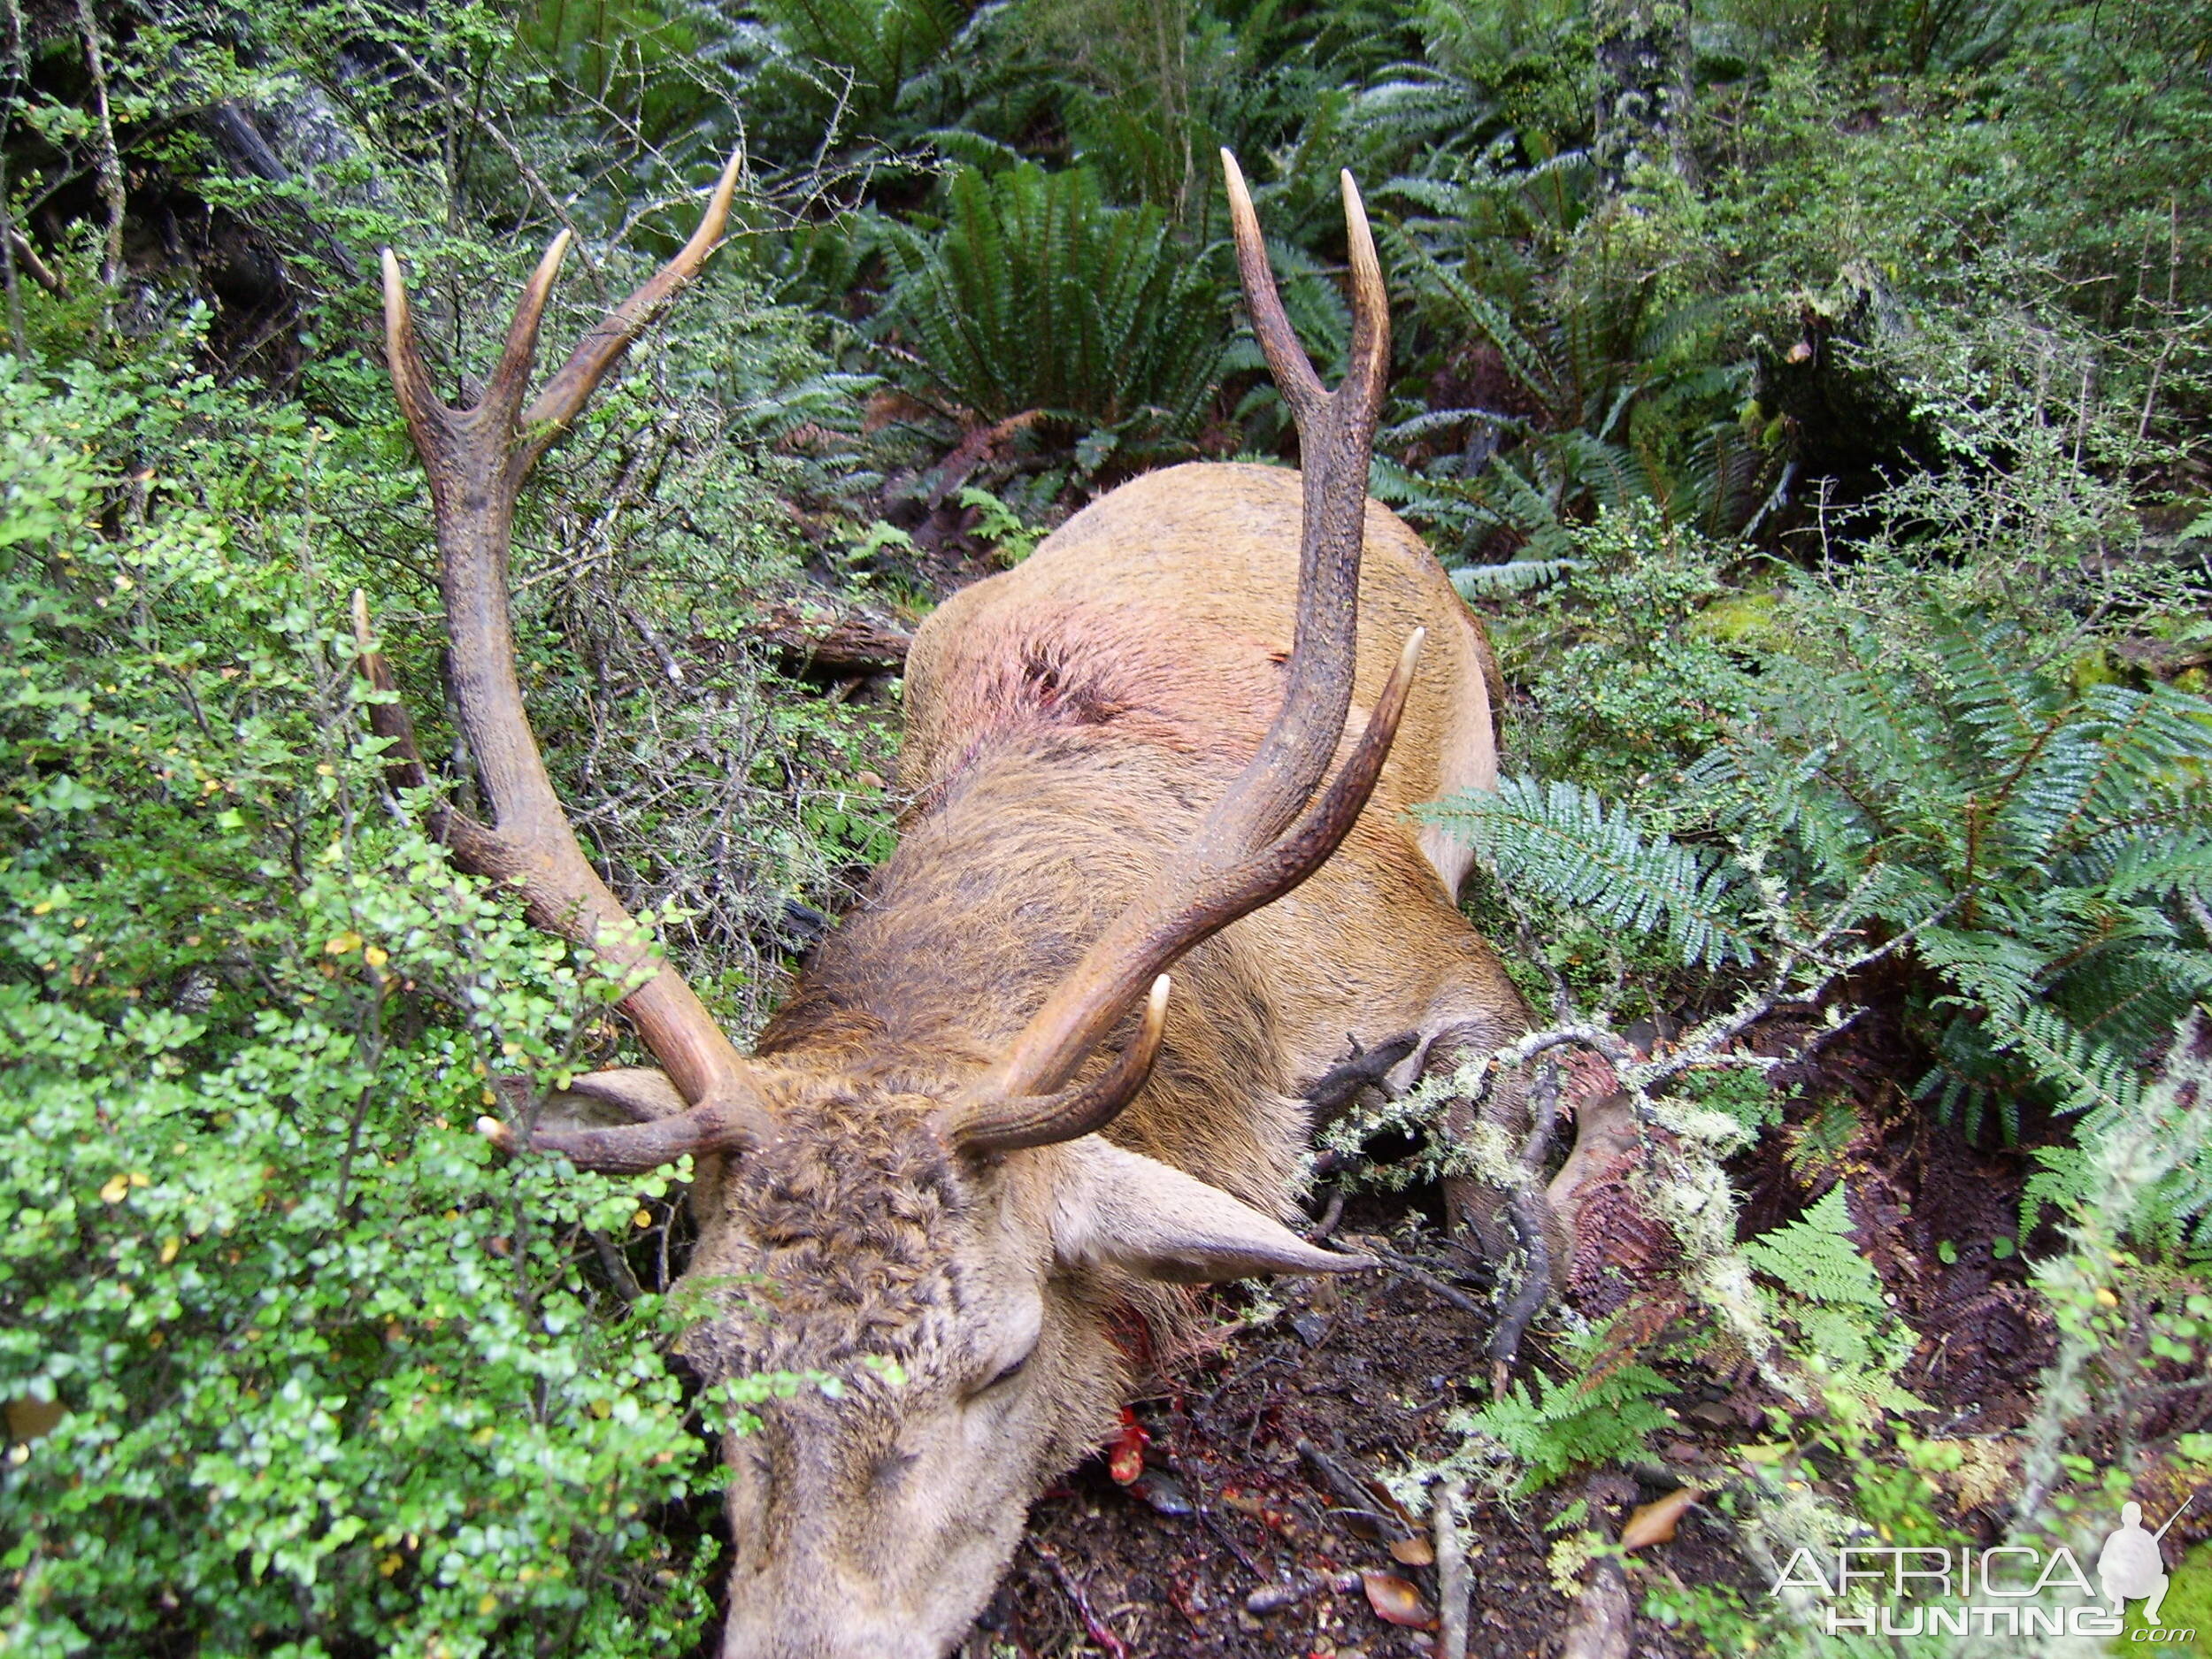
x=1370, y=1370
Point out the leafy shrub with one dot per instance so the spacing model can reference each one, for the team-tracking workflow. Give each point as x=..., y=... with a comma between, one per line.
x=318, y=1374
x=290, y=1361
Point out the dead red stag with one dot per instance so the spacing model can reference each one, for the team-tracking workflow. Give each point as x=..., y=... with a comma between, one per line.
x=985, y=1129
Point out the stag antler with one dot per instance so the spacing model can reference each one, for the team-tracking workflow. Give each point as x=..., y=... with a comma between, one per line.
x=477, y=459
x=1270, y=831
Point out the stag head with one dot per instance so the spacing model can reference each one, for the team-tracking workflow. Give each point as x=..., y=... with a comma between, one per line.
x=938, y=1229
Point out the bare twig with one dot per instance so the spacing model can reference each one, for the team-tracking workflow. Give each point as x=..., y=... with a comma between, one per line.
x=1455, y=1585
x=27, y=256
x=1095, y=1627
x=109, y=164
x=1422, y=1277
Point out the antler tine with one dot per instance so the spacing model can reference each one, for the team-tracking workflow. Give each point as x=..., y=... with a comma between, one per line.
x=477, y=459
x=1287, y=359
x=1335, y=437
x=992, y=1122
x=565, y=393
x=511, y=378
x=1270, y=831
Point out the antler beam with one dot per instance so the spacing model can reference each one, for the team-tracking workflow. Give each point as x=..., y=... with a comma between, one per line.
x=1271, y=830
x=477, y=459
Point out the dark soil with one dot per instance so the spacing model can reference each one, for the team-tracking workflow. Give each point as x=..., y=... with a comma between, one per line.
x=1370, y=1369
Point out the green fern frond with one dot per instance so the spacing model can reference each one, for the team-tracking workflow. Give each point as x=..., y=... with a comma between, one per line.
x=1559, y=840
x=2131, y=999
x=1515, y=576
x=1815, y=1256
x=1990, y=968
x=2089, y=1076
x=1038, y=296
x=1471, y=309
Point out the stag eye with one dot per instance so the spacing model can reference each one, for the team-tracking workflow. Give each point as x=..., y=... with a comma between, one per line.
x=1006, y=1374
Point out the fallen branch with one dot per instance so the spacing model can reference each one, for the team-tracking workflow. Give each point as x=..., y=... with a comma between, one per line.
x=1597, y=1622
x=1454, y=1584
x=1352, y=1490
x=850, y=642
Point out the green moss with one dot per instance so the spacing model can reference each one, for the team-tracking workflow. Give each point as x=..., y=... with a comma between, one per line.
x=2188, y=1606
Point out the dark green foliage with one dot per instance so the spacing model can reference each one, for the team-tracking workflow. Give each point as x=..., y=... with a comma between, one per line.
x=1561, y=841
x=1896, y=769
x=329, y=1375
x=1596, y=384
x=844, y=64
x=1034, y=295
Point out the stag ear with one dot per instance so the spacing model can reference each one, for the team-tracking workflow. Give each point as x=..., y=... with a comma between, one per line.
x=1121, y=1209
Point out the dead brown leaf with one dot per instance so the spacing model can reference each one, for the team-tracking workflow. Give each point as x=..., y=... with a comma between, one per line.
x=1654, y=1522
x=1413, y=1552
x=1396, y=1601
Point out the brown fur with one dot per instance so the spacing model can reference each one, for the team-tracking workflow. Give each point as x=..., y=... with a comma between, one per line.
x=1069, y=723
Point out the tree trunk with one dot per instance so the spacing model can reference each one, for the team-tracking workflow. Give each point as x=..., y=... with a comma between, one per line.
x=1643, y=89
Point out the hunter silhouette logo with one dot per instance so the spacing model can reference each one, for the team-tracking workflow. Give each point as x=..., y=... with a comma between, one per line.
x=2130, y=1567
x=2005, y=1590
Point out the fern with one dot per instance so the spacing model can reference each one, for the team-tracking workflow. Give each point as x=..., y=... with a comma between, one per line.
x=1896, y=766
x=2145, y=1172
x=1037, y=296
x=2054, y=833
x=1516, y=576
x=1814, y=1257
x=1825, y=1288
x=1560, y=840
x=1593, y=353
x=1554, y=1426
